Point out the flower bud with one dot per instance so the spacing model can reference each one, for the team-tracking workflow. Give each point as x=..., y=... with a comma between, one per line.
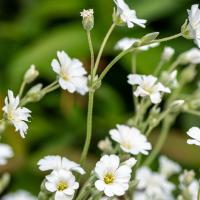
x=187, y=177
x=167, y=53
x=188, y=74
x=149, y=37
x=88, y=19
x=31, y=74
x=190, y=57
x=35, y=94
x=4, y=181
x=177, y=104
x=105, y=145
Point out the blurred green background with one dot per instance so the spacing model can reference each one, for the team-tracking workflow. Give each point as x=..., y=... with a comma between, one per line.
x=31, y=31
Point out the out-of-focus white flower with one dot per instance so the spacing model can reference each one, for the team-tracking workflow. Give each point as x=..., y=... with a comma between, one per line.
x=168, y=167
x=19, y=195
x=18, y=116
x=130, y=139
x=57, y=163
x=71, y=73
x=148, y=86
x=190, y=57
x=113, y=178
x=170, y=78
x=167, y=53
x=127, y=15
x=62, y=183
x=31, y=74
x=126, y=43
x=194, y=23
x=193, y=189
x=194, y=133
x=130, y=162
x=154, y=185
x=105, y=145
x=6, y=152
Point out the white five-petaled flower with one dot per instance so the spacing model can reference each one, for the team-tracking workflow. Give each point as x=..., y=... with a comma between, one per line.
x=6, y=152
x=126, y=43
x=15, y=114
x=194, y=133
x=62, y=183
x=127, y=15
x=154, y=185
x=57, y=163
x=191, y=56
x=148, y=86
x=19, y=195
x=168, y=167
x=194, y=23
x=130, y=139
x=113, y=178
x=71, y=73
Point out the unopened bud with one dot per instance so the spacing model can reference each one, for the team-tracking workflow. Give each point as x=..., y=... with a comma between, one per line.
x=31, y=74
x=149, y=37
x=35, y=93
x=188, y=74
x=4, y=181
x=105, y=145
x=167, y=53
x=88, y=19
x=187, y=177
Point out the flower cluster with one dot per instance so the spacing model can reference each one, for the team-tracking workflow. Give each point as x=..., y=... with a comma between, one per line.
x=61, y=182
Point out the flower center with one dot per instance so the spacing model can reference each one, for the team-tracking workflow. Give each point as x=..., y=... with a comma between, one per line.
x=64, y=76
x=62, y=186
x=128, y=145
x=109, y=178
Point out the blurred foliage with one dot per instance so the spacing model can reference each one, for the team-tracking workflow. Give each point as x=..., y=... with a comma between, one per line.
x=31, y=31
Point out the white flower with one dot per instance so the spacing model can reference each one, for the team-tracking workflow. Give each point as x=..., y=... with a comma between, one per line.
x=71, y=73
x=193, y=189
x=168, y=167
x=154, y=185
x=127, y=15
x=167, y=53
x=62, y=183
x=194, y=133
x=190, y=57
x=194, y=23
x=126, y=43
x=31, y=74
x=148, y=86
x=130, y=139
x=113, y=178
x=57, y=163
x=6, y=152
x=19, y=195
x=18, y=116
x=130, y=162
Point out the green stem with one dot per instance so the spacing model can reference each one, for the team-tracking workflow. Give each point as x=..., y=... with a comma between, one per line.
x=159, y=67
x=198, y=198
x=168, y=38
x=22, y=89
x=174, y=65
x=115, y=60
x=159, y=144
x=193, y=112
x=102, y=48
x=89, y=128
x=91, y=51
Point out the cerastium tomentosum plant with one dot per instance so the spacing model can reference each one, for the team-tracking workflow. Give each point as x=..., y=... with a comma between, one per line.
x=123, y=170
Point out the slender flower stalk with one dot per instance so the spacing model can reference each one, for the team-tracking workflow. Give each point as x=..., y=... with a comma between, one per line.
x=89, y=127
x=102, y=47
